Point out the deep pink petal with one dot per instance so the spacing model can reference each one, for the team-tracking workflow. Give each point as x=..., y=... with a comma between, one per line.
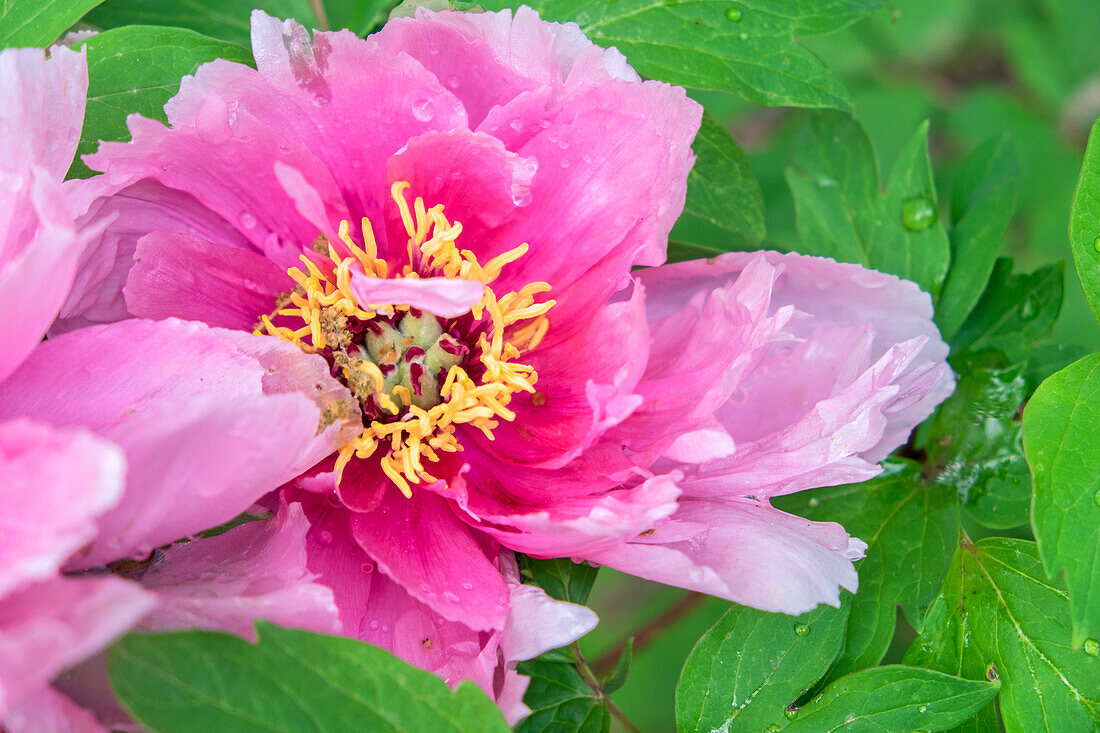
x=55, y=483
x=209, y=419
x=422, y=545
x=257, y=570
x=746, y=552
x=53, y=625
x=585, y=386
x=187, y=277
x=41, y=108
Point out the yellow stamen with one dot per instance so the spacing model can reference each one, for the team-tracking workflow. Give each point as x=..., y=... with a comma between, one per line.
x=324, y=301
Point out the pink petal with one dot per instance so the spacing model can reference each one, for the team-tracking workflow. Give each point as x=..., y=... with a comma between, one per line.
x=746, y=552
x=187, y=277
x=48, y=711
x=38, y=254
x=837, y=296
x=220, y=415
x=445, y=297
x=127, y=211
x=537, y=623
x=41, y=108
x=441, y=562
x=53, y=625
x=56, y=482
x=585, y=387
x=257, y=570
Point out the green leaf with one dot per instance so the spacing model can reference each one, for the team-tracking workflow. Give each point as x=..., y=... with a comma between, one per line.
x=997, y=607
x=227, y=20
x=1014, y=312
x=982, y=202
x=842, y=214
x=616, y=678
x=911, y=528
x=1060, y=433
x=290, y=681
x=560, y=577
x=359, y=16
x=748, y=667
x=39, y=22
x=894, y=698
x=722, y=192
x=975, y=446
x=745, y=47
x=1084, y=222
x=560, y=701
x=136, y=69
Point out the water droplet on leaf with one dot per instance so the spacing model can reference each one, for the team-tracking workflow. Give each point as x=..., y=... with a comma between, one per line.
x=1030, y=308
x=918, y=213
x=802, y=630
x=1092, y=647
x=1096, y=243
x=734, y=14
x=1096, y=496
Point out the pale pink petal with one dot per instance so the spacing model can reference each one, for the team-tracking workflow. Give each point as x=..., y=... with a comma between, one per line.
x=48, y=711
x=209, y=419
x=833, y=296
x=188, y=277
x=255, y=571
x=441, y=562
x=55, y=483
x=443, y=296
x=537, y=623
x=41, y=108
x=38, y=255
x=746, y=552
x=53, y=625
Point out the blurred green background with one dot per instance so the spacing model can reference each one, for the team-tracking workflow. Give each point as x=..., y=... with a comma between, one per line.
x=976, y=69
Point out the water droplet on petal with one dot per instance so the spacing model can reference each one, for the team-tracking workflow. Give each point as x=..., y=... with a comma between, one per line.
x=738, y=396
x=453, y=81
x=516, y=125
x=563, y=145
x=450, y=597
x=247, y=221
x=423, y=109
x=565, y=163
x=324, y=537
x=1092, y=647
x=918, y=213
x=467, y=586
x=368, y=568
x=734, y=14
x=802, y=630
x=373, y=625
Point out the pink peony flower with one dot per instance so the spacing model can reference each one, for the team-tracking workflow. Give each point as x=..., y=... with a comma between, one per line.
x=445, y=217
x=105, y=445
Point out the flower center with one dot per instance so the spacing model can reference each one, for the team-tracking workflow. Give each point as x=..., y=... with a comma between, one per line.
x=416, y=375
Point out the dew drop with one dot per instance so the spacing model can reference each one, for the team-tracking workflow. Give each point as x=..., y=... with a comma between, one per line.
x=744, y=36
x=1096, y=497
x=247, y=221
x=565, y=163
x=324, y=537
x=825, y=182
x=1096, y=243
x=802, y=630
x=733, y=14
x=790, y=712
x=813, y=502
x=1030, y=308
x=773, y=728
x=373, y=625
x=467, y=586
x=453, y=81
x=1092, y=647
x=516, y=125
x=423, y=109
x=450, y=597
x=563, y=145
x=918, y=213
x=737, y=396
x=922, y=709
x=544, y=123
x=368, y=568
